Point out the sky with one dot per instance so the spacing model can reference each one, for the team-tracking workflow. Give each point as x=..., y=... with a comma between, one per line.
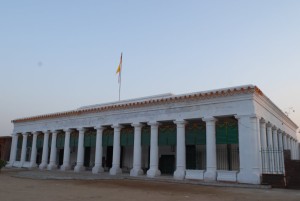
x=60, y=55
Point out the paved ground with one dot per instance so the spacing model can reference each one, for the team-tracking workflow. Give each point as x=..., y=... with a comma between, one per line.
x=23, y=185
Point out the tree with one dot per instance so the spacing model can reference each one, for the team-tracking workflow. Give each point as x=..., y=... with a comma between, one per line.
x=2, y=164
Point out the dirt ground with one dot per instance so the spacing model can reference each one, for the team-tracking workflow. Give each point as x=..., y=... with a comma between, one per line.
x=15, y=189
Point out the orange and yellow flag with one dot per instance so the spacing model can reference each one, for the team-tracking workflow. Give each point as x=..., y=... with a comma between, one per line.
x=120, y=66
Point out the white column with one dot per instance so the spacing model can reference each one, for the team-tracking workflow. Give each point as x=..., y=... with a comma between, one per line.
x=98, y=151
x=80, y=151
x=153, y=171
x=211, y=150
x=180, y=151
x=293, y=148
x=275, y=150
x=52, y=163
x=270, y=147
x=297, y=150
x=249, y=137
x=45, y=150
x=280, y=151
x=115, y=169
x=33, y=151
x=263, y=144
x=280, y=140
x=13, y=150
x=137, y=151
x=66, y=161
x=24, y=148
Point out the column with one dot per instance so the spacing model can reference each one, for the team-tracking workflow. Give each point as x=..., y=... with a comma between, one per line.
x=275, y=150
x=153, y=171
x=24, y=147
x=263, y=144
x=13, y=150
x=33, y=151
x=249, y=137
x=52, y=163
x=284, y=141
x=137, y=151
x=80, y=152
x=292, y=148
x=297, y=150
x=45, y=150
x=116, y=152
x=98, y=151
x=280, y=151
x=270, y=147
x=211, y=150
x=66, y=162
x=180, y=151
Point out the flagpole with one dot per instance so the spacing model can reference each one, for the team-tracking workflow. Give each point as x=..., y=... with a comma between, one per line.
x=120, y=86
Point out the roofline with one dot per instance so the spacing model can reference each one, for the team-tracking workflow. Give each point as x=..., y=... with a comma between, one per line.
x=152, y=100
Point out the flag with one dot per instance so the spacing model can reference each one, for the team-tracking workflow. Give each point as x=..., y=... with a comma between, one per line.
x=120, y=66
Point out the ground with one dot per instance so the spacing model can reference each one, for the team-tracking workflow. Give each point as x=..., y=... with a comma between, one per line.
x=14, y=188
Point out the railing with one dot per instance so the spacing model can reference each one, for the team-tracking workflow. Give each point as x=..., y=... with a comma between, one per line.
x=272, y=161
x=228, y=157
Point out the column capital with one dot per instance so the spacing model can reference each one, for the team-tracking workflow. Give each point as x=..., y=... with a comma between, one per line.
x=99, y=127
x=82, y=129
x=117, y=126
x=137, y=125
x=269, y=125
x=46, y=132
x=274, y=128
x=209, y=119
x=262, y=121
x=238, y=116
x=180, y=122
x=153, y=123
x=25, y=134
x=35, y=132
x=68, y=130
x=54, y=131
x=279, y=131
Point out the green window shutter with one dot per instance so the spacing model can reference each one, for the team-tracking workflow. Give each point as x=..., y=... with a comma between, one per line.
x=233, y=136
x=172, y=135
x=93, y=140
x=190, y=135
x=104, y=139
x=60, y=141
x=221, y=137
x=145, y=136
x=110, y=141
x=162, y=136
x=87, y=140
x=29, y=142
x=201, y=135
x=39, y=141
x=74, y=140
x=130, y=139
x=49, y=141
x=123, y=140
x=20, y=141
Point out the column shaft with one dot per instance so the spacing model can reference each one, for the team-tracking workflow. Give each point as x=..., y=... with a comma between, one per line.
x=270, y=148
x=24, y=149
x=180, y=151
x=263, y=144
x=13, y=150
x=45, y=151
x=52, y=163
x=275, y=150
x=153, y=171
x=137, y=151
x=66, y=161
x=211, y=150
x=80, y=152
x=98, y=152
x=33, y=151
x=116, y=152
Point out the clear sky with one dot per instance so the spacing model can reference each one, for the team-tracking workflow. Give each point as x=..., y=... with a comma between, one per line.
x=60, y=55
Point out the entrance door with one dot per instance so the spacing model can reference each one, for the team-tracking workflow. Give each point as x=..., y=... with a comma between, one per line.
x=109, y=155
x=167, y=164
x=87, y=156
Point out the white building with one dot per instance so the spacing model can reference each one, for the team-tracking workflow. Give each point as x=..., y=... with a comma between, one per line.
x=233, y=134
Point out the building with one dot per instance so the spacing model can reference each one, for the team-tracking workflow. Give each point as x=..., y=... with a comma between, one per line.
x=232, y=134
x=5, y=142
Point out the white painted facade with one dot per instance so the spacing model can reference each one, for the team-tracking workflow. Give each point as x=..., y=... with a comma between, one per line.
x=261, y=125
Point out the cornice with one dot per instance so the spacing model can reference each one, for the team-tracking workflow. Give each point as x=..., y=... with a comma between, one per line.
x=197, y=96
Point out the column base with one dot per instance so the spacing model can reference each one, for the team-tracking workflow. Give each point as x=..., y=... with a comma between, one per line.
x=33, y=165
x=179, y=174
x=9, y=165
x=79, y=168
x=51, y=167
x=65, y=167
x=154, y=172
x=115, y=171
x=134, y=172
x=97, y=169
x=43, y=166
x=248, y=177
x=210, y=175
